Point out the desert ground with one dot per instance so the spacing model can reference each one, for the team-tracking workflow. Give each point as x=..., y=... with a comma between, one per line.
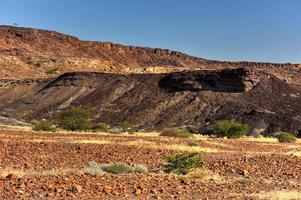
x=42, y=165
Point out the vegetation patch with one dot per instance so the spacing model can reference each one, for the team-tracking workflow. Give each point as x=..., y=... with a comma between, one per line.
x=93, y=168
x=244, y=181
x=75, y=118
x=286, y=137
x=42, y=126
x=203, y=174
x=229, y=128
x=52, y=70
x=101, y=126
x=176, y=132
x=182, y=163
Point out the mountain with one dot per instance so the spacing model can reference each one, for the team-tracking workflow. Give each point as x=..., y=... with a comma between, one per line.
x=35, y=53
x=43, y=72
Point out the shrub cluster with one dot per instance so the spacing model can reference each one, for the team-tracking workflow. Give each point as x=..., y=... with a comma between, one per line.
x=93, y=168
x=42, y=126
x=229, y=128
x=286, y=137
x=75, y=118
x=101, y=126
x=182, y=163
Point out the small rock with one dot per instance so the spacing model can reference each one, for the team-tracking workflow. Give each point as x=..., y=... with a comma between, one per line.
x=243, y=172
x=107, y=189
x=11, y=177
x=76, y=189
x=138, y=191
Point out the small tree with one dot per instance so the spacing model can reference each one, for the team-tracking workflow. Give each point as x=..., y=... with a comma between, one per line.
x=182, y=163
x=75, y=118
x=229, y=128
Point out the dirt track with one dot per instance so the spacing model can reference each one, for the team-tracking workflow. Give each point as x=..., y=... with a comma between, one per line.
x=51, y=166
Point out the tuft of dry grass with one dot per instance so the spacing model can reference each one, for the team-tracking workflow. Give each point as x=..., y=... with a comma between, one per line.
x=204, y=174
x=280, y=195
x=175, y=147
x=261, y=139
x=23, y=173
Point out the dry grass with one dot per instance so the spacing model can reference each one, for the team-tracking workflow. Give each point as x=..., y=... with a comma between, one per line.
x=23, y=173
x=280, y=195
x=204, y=174
x=176, y=147
x=262, y=139
x=294, y=153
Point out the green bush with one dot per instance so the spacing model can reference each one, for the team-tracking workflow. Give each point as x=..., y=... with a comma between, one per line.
x=42, y=126
x=182, y=163
x=118, y=168
x=101, y=126
x=52, y=70
x=286, y=137
x=176, y=132
x=139, y=169
x=229, y=128
x=95, y=169
x=75, y=118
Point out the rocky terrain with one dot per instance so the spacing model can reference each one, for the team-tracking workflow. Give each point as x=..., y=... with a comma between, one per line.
x=155, y=101
x=52, y=166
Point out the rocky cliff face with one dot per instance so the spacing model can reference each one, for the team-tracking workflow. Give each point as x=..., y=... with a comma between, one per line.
x=155, y=101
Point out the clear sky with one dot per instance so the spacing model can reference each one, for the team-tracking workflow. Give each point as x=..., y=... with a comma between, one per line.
x=254, y=30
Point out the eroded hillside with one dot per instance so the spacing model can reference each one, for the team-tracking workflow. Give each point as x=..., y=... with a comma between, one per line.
x=154, y=101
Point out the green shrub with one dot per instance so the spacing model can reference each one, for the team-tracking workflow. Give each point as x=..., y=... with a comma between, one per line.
x=176, y=132
x=139, y=169
x=42, y=126
x=101, y=126
x=95, y=169
x=52, y=70
x=118, y=168
x=182, y=163
x=75, y=118
x=286, y=137
x=229, y=128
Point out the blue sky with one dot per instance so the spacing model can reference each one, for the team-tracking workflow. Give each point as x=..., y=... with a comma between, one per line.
x=253, y=30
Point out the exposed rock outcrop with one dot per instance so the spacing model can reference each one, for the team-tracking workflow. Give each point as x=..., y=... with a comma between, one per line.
x=154, y=101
